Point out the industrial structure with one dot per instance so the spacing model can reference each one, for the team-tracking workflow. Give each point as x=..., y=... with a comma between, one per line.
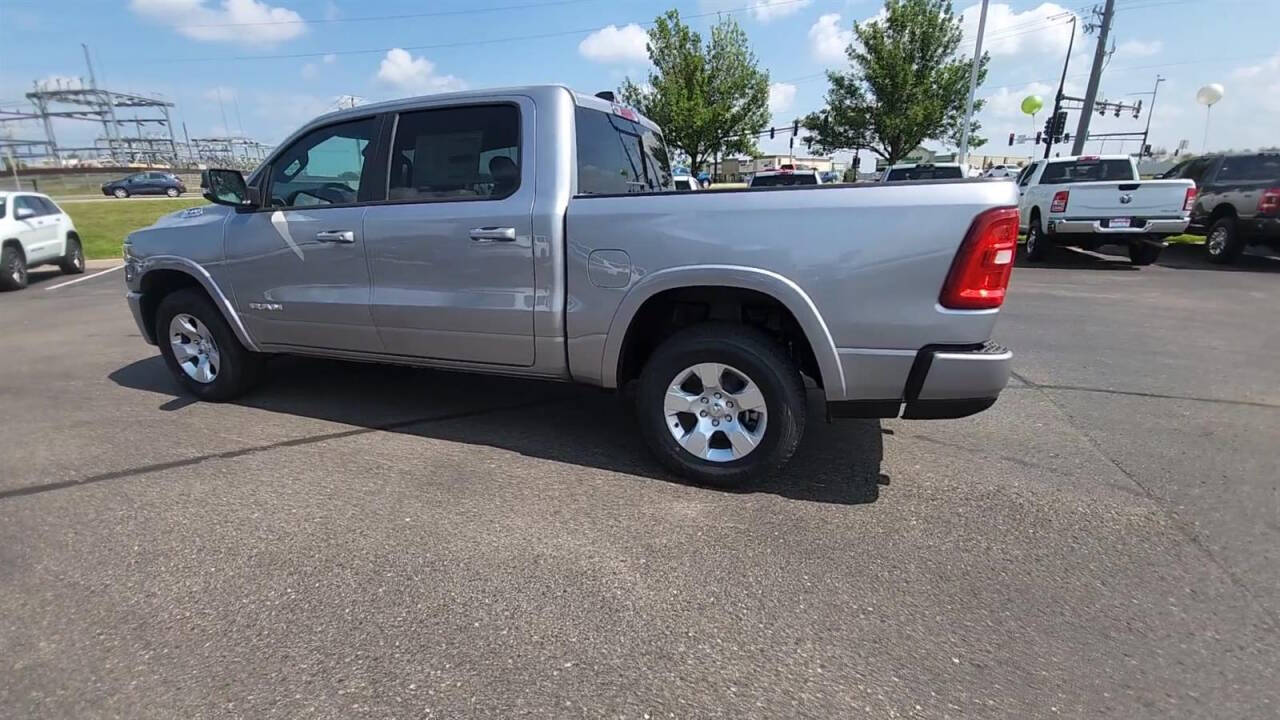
x=136, y=131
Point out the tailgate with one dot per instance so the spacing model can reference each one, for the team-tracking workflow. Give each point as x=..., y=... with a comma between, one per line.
x=1152, y=198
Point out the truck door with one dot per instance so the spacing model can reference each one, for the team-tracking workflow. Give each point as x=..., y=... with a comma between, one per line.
x=298, y=266
x=451, y=250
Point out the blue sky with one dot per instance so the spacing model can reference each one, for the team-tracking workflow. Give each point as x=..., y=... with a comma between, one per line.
x=194, y=52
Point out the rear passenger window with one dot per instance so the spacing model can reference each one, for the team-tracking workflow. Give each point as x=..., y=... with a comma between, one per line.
x=462, y=153
x=618, y=156
x=1256, y=168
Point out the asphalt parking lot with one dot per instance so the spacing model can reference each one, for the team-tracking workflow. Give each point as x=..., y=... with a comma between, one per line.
x=362, y=541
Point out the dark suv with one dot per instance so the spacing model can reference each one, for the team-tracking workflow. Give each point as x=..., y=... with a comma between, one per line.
x=1237, y=203
x=152, y=182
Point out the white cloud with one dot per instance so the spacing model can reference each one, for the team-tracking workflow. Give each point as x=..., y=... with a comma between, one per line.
x=781, y=96
x=828, y=38
x=1010, y=32
x=1139, y=48
x=311, y=70
x=766, y=10
x=249, y=22
x=329, y=59
x=404, y=72
x=613, y=44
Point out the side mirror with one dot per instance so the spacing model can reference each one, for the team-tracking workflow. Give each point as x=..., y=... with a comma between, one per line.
x=225, y=187
x=23, y=213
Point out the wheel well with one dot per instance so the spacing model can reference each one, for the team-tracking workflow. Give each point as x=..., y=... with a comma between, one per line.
x=156, y=285
x=13, y=242
x=672, y=310
x=1223, y=210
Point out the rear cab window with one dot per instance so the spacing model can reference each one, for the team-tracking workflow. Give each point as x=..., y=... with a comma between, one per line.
x=456, y=153
x=1088, y=170
x=924, y=172
x=618, y=156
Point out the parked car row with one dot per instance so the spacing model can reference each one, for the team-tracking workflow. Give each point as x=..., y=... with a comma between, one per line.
x=35, y=231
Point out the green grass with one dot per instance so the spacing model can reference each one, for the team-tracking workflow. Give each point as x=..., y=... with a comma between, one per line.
x=102, y=225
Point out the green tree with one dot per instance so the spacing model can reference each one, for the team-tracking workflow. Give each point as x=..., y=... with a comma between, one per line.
x=906, y=84
x=709, y=99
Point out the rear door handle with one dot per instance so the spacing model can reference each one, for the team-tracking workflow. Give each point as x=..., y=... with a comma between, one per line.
x=336, y=236
x=493, y=234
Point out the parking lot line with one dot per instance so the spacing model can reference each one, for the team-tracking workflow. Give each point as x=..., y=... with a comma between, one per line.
x=82, y=279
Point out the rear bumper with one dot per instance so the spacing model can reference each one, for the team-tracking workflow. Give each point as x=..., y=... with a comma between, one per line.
x=1079, y=226
x=135, y=306
x=945, y=381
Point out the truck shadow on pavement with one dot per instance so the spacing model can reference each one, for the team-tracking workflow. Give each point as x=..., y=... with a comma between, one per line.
x=836, y=463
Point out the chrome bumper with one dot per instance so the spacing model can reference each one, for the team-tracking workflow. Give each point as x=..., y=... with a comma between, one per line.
x=1169, y=226
x=135, y=306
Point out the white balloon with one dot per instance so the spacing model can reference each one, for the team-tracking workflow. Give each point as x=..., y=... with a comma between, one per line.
x=1210, y=94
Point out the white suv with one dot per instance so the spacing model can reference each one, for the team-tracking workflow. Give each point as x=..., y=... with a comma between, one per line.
x=35, y=231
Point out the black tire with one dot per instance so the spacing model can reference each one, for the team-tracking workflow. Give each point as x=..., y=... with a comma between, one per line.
x=13, y=268
x=238, y=369
x=120, y=193
x=1144, y=253
x=1037, y=244
x=757, y=356
x=172, y=192
x=73, y=262
x=1222, y=244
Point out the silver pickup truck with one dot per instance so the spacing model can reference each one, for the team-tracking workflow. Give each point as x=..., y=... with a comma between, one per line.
x=535, y=231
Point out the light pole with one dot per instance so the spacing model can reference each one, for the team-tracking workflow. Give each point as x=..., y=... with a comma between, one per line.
x=1150, y=111
x=973, y=87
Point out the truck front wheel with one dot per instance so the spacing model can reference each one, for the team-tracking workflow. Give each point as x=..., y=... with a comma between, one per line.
x=200, y=348
x=720, y=404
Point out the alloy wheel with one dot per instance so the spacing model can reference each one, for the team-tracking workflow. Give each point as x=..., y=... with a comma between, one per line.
x=194, y=348
x=1217, y=242
x=715, y=412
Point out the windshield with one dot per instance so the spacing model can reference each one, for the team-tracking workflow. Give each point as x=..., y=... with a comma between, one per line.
x=783, y=180
x=924, y=173
x=1074, y=171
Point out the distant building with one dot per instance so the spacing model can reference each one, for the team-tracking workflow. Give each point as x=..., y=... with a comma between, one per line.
x=739, y=169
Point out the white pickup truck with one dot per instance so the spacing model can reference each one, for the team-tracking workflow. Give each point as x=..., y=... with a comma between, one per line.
x=1094, y=200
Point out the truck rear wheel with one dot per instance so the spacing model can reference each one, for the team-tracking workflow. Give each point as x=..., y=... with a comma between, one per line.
x=720, y=404
x=1037, y=244
x=1143, y=253
x=1222, y=243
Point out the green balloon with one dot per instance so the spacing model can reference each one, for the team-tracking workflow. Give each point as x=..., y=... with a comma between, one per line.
x=1032, y=104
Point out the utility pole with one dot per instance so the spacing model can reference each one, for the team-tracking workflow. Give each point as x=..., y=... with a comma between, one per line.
x=973, y=87
x=1150, y=111
x=93, y=82
x=1062, y=83
x=1095, y=76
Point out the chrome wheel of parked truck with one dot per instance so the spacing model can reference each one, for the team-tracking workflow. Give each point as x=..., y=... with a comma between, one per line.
x=537, y=232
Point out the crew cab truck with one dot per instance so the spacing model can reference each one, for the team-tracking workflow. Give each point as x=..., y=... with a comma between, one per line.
x=534, y=232
x=1237, y=201
x=1093, y=200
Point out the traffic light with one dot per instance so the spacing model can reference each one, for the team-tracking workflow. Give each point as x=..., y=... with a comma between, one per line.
x=795, y=128
x=1137, y=111
x=770, y=133
x=1059, y=124
x=1146, y=150
x=1010, y=138
x=1039, y=135
x=1048, y=130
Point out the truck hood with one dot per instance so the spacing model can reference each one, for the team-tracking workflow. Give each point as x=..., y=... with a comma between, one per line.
x=195, y=232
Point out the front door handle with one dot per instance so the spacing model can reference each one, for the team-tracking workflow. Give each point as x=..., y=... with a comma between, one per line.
x=336, y=236
x=493, y=234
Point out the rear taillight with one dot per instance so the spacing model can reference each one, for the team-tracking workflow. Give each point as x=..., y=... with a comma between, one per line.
x=1269, y=203
x=1059, y=203
x=1190, y=200
x=980, y=272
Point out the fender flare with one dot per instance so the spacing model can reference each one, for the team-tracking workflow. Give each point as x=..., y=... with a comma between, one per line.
x=767, y=282
x=202, y=276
